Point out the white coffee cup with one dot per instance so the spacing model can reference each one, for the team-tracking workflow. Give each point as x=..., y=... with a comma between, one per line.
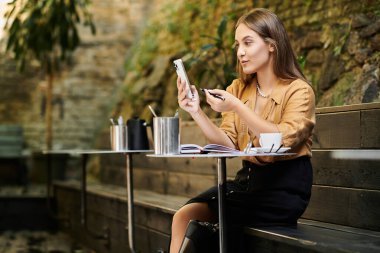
x=269, y=140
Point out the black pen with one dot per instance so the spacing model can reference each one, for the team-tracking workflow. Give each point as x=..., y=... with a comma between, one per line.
x=214, y=95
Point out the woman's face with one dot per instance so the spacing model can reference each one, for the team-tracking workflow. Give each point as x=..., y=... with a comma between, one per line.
x=252, y=51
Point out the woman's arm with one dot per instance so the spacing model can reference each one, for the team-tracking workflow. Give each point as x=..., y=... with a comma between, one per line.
x=254, y=122
x=209, y=129
x=297, y=118
x=213, y=133
x=232, y=104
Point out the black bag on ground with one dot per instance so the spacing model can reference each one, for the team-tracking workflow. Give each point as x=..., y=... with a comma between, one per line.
x=200, y=237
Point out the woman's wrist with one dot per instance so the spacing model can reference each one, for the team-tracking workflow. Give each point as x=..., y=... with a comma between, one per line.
x=238, y=107
x=196, y=114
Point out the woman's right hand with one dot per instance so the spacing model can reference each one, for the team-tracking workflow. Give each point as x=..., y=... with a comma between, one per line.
x=187, y=104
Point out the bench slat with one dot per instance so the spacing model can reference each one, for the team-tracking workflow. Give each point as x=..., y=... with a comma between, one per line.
x=153, y=214
x=327, y=171
x=10, y=152
x=201, y=166
x=319, y=239
x=10, y=130
x=176, y=183
x=369, y=129
x=346, y=108
x=352, y=129
x=345, y=173
x=336, y=130
x=358, y=208
x=339, y=227
x=11, y=141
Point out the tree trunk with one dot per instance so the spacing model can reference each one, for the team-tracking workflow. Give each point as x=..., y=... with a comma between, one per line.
x=49, y=112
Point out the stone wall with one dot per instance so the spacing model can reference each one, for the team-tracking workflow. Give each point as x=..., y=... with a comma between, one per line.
x=337, y=43
x=340, y=42
x=85, y=92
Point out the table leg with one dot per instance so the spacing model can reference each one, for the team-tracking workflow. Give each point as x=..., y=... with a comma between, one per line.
x=129, y=185
x=49, y=184
x=221, y=204
x=83, y=206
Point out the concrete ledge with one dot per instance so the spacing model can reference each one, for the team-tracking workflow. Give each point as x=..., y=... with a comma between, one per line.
x=107, y=215
x=313, y=236
x=107, y=207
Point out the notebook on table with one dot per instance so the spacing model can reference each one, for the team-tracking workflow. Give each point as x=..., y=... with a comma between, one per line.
x=209, y=148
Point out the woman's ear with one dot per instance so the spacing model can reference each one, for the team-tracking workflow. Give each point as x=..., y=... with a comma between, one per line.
x=271, y=47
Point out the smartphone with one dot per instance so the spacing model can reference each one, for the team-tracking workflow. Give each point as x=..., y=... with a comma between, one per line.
x=181, y=72
x=213, y=94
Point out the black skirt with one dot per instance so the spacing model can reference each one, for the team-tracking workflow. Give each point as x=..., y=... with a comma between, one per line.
x=270, y=195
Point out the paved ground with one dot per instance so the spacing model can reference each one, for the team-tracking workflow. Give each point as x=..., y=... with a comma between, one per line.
x=32, y=241
x=38, y=242
x=14, y=191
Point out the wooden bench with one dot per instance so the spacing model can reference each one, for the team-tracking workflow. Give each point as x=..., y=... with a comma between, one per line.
x=12, y=166
x=107, y=214
x=343, y=215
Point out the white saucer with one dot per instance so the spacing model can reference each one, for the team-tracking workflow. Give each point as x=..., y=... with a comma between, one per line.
x=266, y=150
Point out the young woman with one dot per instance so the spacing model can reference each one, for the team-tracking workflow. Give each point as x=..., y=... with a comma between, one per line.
x=271, y=95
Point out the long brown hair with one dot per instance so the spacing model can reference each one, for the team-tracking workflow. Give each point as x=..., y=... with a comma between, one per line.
x=271, y=29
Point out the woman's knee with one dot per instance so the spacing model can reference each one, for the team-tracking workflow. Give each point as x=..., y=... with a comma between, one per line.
x=193, y=211
x=182, y=215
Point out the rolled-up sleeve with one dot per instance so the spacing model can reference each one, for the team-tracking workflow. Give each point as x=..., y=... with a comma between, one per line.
x=298, y=116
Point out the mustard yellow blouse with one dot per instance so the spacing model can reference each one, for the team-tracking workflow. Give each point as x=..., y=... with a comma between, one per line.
x=291, y=106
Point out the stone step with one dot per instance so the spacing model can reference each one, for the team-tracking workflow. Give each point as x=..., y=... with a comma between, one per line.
x=336, y=183
x=107, y=215
x=153, y=214
x=39, y=241
x=23, y=191
x=312, y=236
x=18, y=213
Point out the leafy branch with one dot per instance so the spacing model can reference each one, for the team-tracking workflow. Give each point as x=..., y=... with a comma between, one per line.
x=209, y=54
x=46, y=31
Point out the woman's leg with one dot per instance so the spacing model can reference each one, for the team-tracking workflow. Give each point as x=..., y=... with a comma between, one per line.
x=193, y=211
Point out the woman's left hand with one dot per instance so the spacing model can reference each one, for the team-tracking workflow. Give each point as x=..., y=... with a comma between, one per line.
x=219, y=105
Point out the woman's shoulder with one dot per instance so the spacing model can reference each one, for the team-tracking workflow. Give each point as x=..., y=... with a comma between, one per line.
x=293, y=89
x=299, y=84
x=240, y=90
x=235, y=86
x=236, y=83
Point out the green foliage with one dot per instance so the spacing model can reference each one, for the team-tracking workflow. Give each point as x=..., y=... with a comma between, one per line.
x=220, y=46
x=371, y=6
x=45, y=30
x=143, y=51
x=341, y=40
x=173, y=26
x=192, y=7
x=302, y=62
x=308, y=3
x=186, y=32
x=212, y=3
x=340, y=90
